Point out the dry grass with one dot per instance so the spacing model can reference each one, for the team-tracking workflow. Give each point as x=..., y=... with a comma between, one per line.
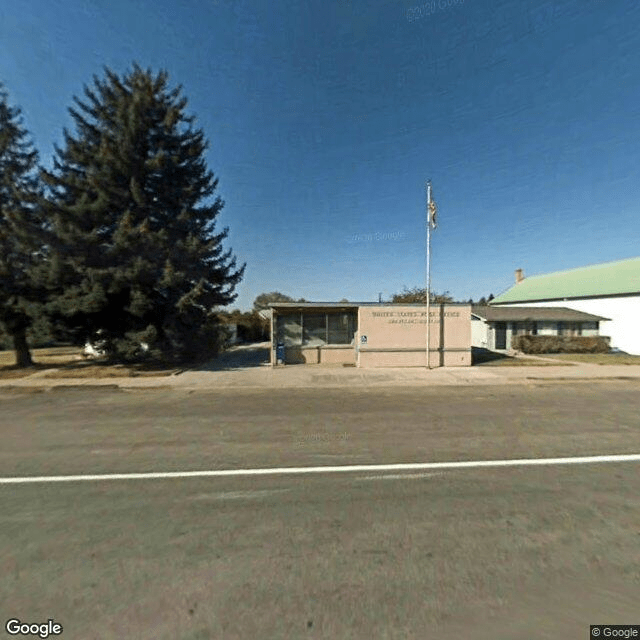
x=48, y=356
x=97, y=370
x=67, y=362
x=523, y=362
x=595, y=358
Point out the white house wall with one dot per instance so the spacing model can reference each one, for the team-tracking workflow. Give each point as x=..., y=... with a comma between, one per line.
x=546, y=328
x=624, y=327
x=480, y=334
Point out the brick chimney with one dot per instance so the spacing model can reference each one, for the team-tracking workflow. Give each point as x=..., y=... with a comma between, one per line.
x=519, y=276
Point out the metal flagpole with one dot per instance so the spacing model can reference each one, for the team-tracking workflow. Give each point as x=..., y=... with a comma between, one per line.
x=428, y=273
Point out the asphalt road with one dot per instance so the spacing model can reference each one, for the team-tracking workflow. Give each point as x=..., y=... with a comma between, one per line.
x=94, y=431
x=494, y=553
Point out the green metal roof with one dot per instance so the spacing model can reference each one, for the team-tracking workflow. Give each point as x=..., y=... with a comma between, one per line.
x=608, y=279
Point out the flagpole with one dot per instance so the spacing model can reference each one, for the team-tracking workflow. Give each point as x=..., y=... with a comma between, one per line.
x=428, y=273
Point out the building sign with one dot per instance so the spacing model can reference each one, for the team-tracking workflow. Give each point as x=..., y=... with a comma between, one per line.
x=396, y=335
x=413, y=317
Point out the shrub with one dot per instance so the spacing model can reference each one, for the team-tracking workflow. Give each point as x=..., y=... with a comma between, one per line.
x=561, y=344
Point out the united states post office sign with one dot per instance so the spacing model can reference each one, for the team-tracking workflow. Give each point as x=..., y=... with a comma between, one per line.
x=413, y=317
x=406, y=326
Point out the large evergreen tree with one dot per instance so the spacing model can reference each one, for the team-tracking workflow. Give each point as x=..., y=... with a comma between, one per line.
x=19, y=236
x=136, y=255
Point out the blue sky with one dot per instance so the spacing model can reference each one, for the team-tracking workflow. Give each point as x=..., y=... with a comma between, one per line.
x=326, y=117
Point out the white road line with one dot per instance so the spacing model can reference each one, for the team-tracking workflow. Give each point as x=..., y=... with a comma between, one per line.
x=399, y=476
x=279, y=471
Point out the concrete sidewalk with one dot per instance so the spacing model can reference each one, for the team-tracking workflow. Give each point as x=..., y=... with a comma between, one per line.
x=312, y=376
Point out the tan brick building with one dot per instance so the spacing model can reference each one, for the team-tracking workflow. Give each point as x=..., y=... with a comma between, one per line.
x=370, y=334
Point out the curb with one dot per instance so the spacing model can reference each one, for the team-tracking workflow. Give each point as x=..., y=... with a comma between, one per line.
x=585, y=379
x=353, y=385
x=82, y=387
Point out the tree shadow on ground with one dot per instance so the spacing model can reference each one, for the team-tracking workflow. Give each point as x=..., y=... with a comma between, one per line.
x=245, y=356
x=480, y=356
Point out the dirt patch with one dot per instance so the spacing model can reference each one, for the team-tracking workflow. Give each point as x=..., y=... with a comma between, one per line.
x=11, y=373
x=98, y=371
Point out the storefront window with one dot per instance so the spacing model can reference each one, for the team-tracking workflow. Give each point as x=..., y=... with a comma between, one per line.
x=289, y=329
x=314, y=329
x=342, y=327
